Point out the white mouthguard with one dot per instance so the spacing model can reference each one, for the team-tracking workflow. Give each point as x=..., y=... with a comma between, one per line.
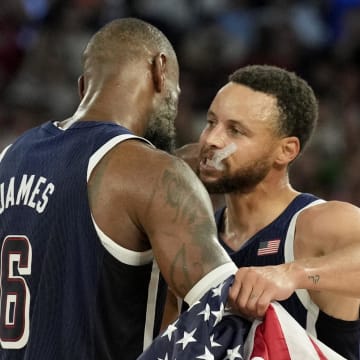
x=220, y=155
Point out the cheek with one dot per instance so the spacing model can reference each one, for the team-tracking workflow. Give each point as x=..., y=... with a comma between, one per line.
x=244, y=156
x=234, y=162
x=202, y=137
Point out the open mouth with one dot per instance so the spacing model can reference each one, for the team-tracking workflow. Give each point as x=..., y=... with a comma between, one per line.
x=215, y=162
x=207, y=163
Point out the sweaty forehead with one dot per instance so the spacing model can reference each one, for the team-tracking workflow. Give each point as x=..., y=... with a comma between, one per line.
x=235, y=101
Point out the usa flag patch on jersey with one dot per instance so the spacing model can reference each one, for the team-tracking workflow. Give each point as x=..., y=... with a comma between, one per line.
x=268, y=247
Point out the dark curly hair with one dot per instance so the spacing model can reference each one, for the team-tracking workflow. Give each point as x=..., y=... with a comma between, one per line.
x=296, y=101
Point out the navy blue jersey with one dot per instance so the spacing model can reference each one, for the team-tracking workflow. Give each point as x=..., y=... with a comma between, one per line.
x=67, y=290
x=273, y=245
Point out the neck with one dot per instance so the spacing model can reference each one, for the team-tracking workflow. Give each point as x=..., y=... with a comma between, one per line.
x=93, y=115
x=109, y=99
x=247, y=214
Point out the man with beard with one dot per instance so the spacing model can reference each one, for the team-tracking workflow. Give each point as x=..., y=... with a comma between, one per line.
x=293, y=246
x=90, y=211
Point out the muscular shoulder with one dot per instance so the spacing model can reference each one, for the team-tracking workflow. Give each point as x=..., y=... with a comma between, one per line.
x=328, y=215
x=326, y=226
x=137, y=164
x=133, y=168
x=139, y=188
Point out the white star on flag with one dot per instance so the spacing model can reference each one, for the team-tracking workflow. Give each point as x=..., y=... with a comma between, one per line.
x=217, y=291
x=214, y=343
x=235, y=338
x=206, y=312
x=207, y=355
x=233, y=354
x=165, y=358
x=218, y=314
x=187, y=338
x=170, y=329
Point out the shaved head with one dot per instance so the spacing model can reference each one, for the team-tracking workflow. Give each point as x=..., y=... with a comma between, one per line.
x=126, y=39
x=131, y=76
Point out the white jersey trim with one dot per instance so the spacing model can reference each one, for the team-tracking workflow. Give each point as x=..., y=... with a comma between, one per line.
x=126, y=256
x=2, y=154
x=103, y=150
x=302, y=294
x=210, y=280
x=151, y=305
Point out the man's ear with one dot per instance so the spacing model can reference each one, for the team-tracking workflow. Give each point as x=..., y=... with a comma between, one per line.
x=289, y=150
x=158, y=71
x=81, y=86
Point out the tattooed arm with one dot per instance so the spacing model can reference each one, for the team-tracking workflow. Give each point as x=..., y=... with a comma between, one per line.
x=144, y=198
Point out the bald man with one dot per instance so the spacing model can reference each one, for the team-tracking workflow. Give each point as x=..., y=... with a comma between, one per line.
x=91, y=208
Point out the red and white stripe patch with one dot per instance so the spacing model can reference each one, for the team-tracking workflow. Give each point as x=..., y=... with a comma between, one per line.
x=268, y=247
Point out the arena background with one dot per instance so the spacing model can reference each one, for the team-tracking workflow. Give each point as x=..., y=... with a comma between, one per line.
x=41, y=42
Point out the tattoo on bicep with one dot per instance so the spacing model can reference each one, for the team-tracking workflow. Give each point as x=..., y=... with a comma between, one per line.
x=179, y=285
x=314, y=278
x=180, y=197
x=191, y=212
x=180, y=260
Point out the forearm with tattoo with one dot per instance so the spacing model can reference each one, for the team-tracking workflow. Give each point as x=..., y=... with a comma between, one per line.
x=189, y=212
x=314, y=278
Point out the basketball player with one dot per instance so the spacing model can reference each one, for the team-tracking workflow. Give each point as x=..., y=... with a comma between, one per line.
x=293, y=246
x=88, y=204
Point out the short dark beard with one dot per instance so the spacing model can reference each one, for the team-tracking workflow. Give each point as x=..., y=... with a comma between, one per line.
x=243, y=181
x=161, y=128
x=161, y=139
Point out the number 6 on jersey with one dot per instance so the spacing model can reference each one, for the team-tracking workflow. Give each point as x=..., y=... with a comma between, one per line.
x=16, y=257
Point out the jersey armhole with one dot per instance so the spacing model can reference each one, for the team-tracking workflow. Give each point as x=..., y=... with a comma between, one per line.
x=126, y=256
x=302, y=294
x=104, y=149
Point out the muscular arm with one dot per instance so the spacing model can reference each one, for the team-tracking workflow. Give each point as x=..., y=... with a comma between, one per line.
x=327, y=253
x=142, y=198
x=181, y=227
x=327, y=263
x=327, y=248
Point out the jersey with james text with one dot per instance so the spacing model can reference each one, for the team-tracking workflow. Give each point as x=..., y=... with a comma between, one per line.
x=67, y=290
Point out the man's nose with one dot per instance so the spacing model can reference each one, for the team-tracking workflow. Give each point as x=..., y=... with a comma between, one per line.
x=216, y=137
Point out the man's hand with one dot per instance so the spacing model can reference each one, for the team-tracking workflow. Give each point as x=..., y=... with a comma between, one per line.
x=255, y=287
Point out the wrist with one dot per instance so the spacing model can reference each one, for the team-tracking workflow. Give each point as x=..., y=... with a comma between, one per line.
x=304, y=275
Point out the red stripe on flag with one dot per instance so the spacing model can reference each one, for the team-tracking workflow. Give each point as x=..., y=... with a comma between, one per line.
x=319, y=352
x=269, y=340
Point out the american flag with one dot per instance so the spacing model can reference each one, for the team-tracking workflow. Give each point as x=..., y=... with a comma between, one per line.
x=208, y=331
x=268, y=247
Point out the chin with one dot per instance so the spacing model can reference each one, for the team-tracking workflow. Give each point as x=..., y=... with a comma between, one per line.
x=209, y=174
x=208, y=181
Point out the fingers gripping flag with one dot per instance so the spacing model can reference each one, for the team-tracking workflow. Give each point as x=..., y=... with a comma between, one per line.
x=204, y=331
x=208, y=331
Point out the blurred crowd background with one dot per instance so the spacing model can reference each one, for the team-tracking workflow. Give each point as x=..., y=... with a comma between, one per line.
x=41, y=42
